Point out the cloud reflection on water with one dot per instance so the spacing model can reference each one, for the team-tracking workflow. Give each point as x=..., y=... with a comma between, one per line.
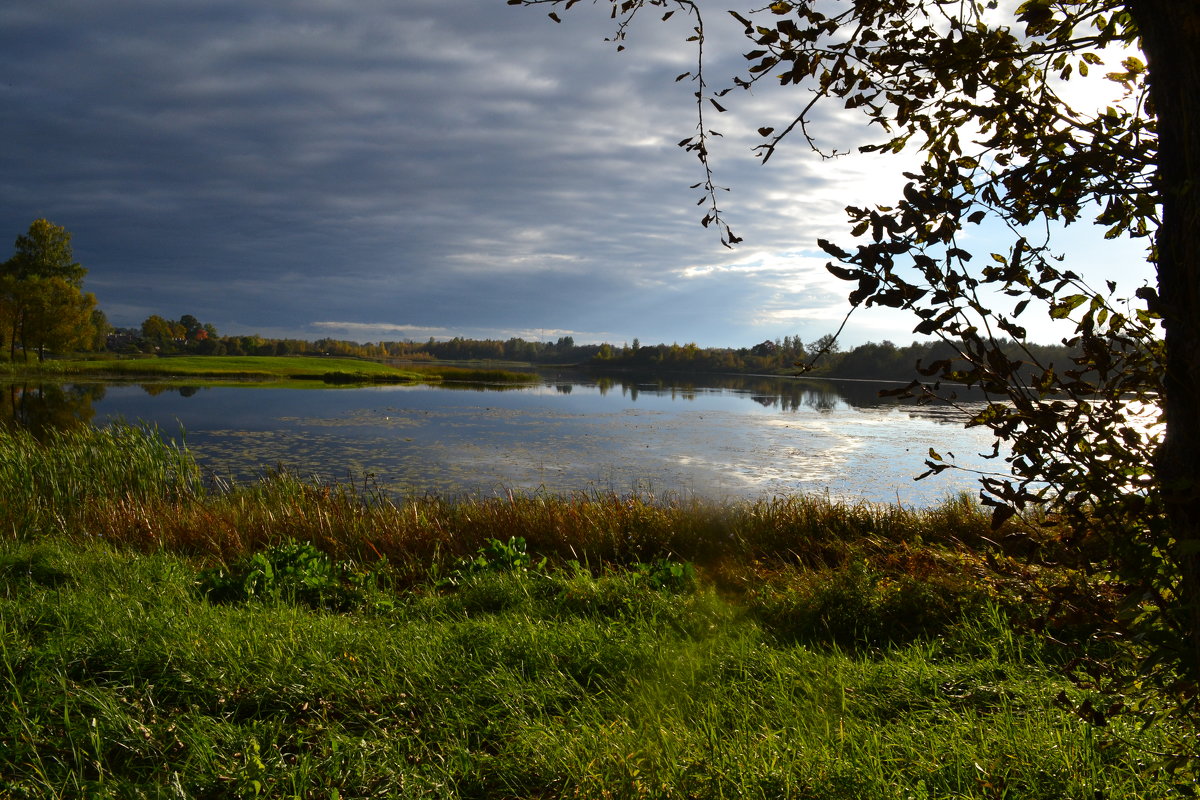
x=743, y=439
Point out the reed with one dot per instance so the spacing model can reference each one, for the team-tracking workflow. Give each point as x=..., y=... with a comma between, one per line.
x=130, y=485
x=50, y=483
x=478, y=375
x=852, y=573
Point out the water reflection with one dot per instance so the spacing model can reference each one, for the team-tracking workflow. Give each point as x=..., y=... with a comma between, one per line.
x=785, y=394
x=155, y=389
x=43, y=407
x=739, y=437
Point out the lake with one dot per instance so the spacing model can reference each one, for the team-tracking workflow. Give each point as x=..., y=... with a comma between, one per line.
x=737, y=438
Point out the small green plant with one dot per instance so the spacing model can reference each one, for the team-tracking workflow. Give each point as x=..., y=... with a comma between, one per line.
x=667, y=574
x=295, y=572
x=498, y=556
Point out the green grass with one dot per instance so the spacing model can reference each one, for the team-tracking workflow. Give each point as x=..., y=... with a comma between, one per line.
x=121, y=678
x=259, y=368
x=227, y=367
x=163, y=637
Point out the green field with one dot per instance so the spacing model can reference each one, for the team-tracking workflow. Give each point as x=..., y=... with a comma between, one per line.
x=254, y=368
x=164, y=637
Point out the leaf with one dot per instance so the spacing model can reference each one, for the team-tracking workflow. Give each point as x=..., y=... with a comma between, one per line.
x=1063, y=308
x=844, y=274
x=1000, y=515
x=554, y=17
x=832, y=249
x=1134, y=65
x=927, y=327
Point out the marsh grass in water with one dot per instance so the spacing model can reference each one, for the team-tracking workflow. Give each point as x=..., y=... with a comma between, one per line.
x=477, y=375
x=160, y=637
x=50, y=482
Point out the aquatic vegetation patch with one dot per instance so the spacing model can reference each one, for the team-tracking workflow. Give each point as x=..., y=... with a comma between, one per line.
x=478, y=376
x=49, y=482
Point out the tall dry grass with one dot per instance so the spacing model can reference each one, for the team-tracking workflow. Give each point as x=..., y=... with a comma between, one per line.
x=132, y=486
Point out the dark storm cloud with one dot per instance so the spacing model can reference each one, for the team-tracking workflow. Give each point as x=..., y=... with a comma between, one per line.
x=455, y=168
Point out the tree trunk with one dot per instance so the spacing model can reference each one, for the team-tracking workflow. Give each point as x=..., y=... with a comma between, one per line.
x=1170, y=32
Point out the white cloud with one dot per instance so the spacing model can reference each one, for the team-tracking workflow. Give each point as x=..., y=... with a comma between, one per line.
x=380, y=329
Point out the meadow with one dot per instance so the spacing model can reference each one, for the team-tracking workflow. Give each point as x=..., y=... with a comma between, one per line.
x=325, y=369
x=166, y=634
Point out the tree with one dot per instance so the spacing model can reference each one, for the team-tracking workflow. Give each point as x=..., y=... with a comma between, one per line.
x=42, y=304
x=976, y=91
x=191, y=326
x=10, y=316
x=56, y=315
x=100, y=330
x=158, y=330
x=45, y=252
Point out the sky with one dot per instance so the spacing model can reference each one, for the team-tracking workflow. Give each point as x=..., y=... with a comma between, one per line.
x=405, y=169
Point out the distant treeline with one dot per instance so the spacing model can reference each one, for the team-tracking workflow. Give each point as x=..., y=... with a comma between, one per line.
x=823, y=358
x=788, y=355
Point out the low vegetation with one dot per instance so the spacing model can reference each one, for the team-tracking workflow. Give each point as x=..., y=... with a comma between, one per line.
x=256, y=368
x=163, y=634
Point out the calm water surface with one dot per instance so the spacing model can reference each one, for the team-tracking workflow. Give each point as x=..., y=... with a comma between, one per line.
x=743, y=439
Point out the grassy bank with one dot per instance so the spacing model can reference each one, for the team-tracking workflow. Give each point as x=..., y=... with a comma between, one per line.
x=253, y=368
x=162, y=637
